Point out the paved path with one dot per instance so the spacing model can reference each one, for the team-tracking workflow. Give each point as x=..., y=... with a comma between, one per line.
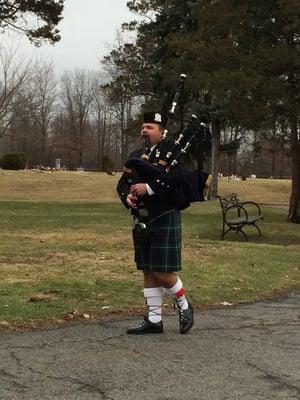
x=250, y=352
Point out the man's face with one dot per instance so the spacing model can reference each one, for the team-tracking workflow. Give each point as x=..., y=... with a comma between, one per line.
x=153, y=132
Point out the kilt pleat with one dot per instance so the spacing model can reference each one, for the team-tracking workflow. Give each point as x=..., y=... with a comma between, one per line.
x=162, y=250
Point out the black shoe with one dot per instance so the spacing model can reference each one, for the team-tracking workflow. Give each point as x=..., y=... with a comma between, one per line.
x=186, y=319
x=147, y=327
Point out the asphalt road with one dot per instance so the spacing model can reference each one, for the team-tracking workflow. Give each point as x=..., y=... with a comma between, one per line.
x=249, y=352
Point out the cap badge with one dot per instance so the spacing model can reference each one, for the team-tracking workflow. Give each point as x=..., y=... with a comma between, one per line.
x=157, y=117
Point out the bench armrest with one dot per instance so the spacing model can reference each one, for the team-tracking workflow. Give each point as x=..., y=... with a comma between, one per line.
x=245, y=203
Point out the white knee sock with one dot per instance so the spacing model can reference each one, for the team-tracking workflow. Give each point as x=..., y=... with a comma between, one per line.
x=178, y=293
x=154, y=298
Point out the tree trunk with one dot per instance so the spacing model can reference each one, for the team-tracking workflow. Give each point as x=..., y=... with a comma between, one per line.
x=200, y=156
x=294, y=209
x=80, y=157
x=200, y=161
x=281, y=166
x=215, y=152
x=273, y=164
x=234, y=163
x=128, y=118
x=230, y=164
x=103, y=138
x=101, y=127
x=44, y=144
x=122, y=127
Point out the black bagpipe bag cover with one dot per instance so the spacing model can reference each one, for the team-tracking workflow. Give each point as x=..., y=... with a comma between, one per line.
x=185, y=188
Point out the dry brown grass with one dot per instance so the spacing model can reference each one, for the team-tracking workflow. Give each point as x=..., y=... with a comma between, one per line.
x=67, y=186
x=268, y=191
x=33, y=185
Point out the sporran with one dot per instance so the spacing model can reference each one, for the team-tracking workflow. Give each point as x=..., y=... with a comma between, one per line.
x=140, y=234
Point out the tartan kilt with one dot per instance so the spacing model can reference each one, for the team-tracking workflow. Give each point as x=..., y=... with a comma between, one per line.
x=161, y=252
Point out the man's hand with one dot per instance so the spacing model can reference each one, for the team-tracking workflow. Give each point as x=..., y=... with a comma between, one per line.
x=131, y=201
x=139, y=189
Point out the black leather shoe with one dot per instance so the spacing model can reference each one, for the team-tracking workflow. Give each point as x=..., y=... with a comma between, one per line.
x=186, y=319
x=147, y=327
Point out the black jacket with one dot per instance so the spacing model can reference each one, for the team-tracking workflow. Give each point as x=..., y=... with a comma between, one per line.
x=164, y=187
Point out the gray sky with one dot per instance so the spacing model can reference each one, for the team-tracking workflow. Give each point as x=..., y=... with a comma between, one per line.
x=87, y=30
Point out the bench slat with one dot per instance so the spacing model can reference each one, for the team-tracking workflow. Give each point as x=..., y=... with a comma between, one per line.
x=241, y=220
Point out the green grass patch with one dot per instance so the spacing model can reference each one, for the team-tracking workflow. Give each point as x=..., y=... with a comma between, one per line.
x=57, y=257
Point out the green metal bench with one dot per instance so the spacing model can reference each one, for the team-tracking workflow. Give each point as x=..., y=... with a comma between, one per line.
x=237, y=214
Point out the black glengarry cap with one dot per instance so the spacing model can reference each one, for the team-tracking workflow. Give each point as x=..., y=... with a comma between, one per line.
x=153, y=118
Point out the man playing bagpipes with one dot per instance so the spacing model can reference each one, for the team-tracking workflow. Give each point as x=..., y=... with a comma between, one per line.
x=155, y=190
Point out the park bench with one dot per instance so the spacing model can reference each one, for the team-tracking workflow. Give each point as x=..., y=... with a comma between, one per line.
x=237, y=214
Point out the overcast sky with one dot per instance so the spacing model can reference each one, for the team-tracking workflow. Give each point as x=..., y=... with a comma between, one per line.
x=88, y=29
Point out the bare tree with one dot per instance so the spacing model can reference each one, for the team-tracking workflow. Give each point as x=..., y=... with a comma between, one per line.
x=41, y=104
x=14, y=74
x=102, y=114
x=122, y=90
x=77, y=96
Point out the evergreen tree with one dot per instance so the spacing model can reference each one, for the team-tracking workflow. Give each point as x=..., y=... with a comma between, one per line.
x=37, y=19
x=244, y=54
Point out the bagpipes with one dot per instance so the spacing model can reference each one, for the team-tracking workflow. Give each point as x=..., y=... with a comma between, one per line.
x=186, y=187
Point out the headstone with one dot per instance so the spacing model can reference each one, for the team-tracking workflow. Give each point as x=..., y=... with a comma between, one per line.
x=57, y=163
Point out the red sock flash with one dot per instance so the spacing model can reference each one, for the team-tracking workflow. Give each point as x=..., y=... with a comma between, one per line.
x=180, y=292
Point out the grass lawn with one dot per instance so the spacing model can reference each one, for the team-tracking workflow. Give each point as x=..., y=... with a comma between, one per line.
x=65, y=248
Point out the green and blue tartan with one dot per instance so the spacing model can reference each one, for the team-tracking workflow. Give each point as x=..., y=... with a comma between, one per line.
x=162, y=250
